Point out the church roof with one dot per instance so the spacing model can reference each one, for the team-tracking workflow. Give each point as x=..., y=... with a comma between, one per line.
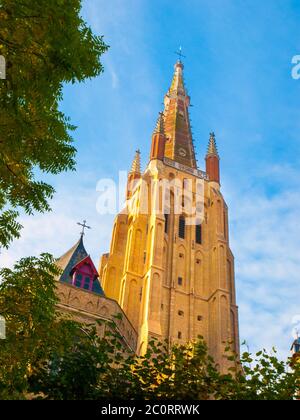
x=68, y=261
x=296, y=345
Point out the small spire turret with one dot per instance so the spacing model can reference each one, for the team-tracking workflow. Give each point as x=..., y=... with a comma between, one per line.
x=158, y=139
x=212, y=145
x=134, y=174
x=160, y=125
x=213, y=160
x=136, y=164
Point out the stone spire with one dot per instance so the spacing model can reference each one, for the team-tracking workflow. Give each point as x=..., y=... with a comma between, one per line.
x=134, y=174
x=212, y=145
x=158, y=139
x=160, y=125
x=136, y=164
x=213, y=160
x=179, y=145
x=177, y=82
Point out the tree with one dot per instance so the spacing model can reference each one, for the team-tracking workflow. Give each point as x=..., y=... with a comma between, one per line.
x=45, y=44
x=49, y=356
x=98, y=369
x=34, y=329
x=263, y=377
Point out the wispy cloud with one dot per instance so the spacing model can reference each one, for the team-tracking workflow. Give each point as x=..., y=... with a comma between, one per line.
x=265, y=241
x=57, y=231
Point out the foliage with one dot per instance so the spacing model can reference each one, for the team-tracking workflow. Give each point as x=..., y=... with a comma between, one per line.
x=264, y=377
x=99, y=369
x=45, y=44
x=34, y=329
x=48, y=356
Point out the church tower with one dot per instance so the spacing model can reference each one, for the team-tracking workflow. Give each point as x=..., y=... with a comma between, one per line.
x=170, y=266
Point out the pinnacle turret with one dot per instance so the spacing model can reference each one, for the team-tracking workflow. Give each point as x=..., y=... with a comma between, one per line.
x=136, y=164
x=213, y=160
x=160, y=125
x=212, y=145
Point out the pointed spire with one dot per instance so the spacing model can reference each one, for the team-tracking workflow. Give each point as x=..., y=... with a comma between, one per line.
x=213, y=160
x=160, y=125
x=134, y=174
x=179, y=146
x=136, y=164
x=212, y=145
x=178, y=82
x=67, y=261
x=158, y=139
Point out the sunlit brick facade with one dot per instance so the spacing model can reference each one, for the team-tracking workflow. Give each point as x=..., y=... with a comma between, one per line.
x=174, y=278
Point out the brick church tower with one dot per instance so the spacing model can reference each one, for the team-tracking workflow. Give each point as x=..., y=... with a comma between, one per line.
x=170, y=266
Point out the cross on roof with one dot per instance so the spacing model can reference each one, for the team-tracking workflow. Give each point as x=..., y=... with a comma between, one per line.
x=84, y=226
x=179, y=53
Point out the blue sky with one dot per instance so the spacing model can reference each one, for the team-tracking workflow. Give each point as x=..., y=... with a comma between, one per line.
x=238, y=73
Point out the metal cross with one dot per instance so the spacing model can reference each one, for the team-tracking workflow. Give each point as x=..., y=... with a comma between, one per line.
x=180, y=55
x=84, y=226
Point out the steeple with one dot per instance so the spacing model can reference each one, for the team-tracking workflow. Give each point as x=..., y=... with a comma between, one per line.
x=179, y=142
x=213, y=160
x=164, y=258
x=134, y=174
x=160, y=125
x=177, y=82
x=158, y=139
x=212, y=145
x=136, y=164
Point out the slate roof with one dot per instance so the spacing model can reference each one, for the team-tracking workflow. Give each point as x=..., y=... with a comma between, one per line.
x=70, y=259
x=296, y=345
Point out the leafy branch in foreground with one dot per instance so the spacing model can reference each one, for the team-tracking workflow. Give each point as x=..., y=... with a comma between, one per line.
x=187, y=372
x=33, y=327
x=49, y=356
x=45, y=44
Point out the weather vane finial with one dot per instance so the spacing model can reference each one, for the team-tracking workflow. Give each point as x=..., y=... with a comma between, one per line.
x=180, y=55
x=84, y=226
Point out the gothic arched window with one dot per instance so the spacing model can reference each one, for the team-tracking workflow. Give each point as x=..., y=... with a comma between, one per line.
x=199, y=234
x=181, y=229
x=166, y=223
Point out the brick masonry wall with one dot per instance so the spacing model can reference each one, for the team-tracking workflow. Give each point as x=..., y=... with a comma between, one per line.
x=87, y=306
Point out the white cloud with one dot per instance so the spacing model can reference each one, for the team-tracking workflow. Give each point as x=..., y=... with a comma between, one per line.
x=114, y=78
x=265, y=242
x=57, y=231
